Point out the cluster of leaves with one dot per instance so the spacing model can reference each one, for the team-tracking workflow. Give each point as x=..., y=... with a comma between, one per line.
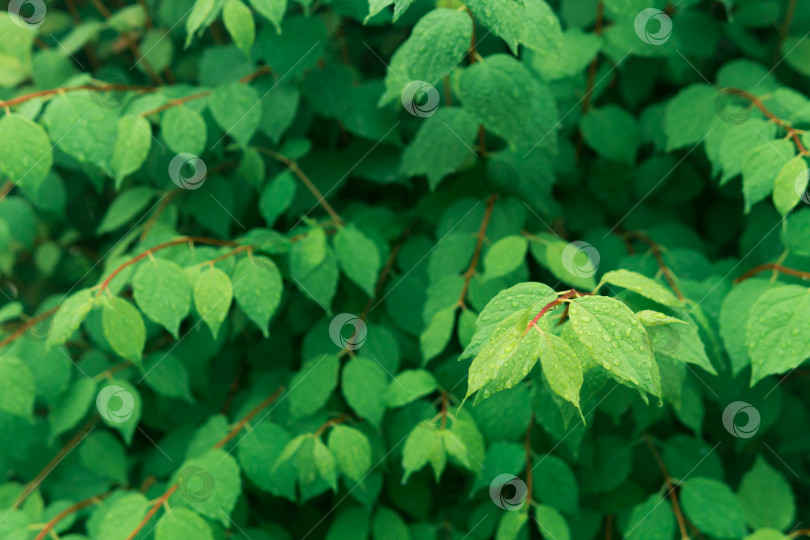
x=256, y=256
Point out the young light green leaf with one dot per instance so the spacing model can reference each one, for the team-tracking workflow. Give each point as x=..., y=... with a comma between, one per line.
x=163, y=292
x=325, y=463
x=131, y=147
x=408, y=386
x=213, y=293
x=125, y=207
x=504, y=256
x=103, y=453
x=123, y=328
x=613, y=336
x=561, y=367
x=184, y=130
x=358, y=257
x=791, y=184
x=70, y=316
x=201, y=14
x=363, y=383
x=277, y=196
x=183, y=524
x=758, y=171
x=273, y=10
x=321, y=376
x=234, y=108
x=424, y=445
x=17, y=388
x=778, y=331
x=119, y=405
x=352, y=452
x=531, y=24
x=641, y=284
x=437, y=334
x=71, y=406
x=258, y=289
x=209, y=484
x=124, y=514
x=612, y=133
x=238, y=19
x=26, y=155
x=713, y=508
x=766, y=497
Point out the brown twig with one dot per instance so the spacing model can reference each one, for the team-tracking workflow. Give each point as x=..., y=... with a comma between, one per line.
x=329, y=423
x=783, y=32
x=164, y=203
x=479, y=242
x=150, y=251
x=673, y=496
x=293, y=166
x=68, y=511
x=659, y=258
x=28, y=324
x=772, y=266
x=97, y=88
x=600, y=15
x=792, y=132
x=573, y=293
x=56, y=460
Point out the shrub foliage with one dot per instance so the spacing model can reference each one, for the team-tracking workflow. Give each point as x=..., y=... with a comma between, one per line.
x=404, y=269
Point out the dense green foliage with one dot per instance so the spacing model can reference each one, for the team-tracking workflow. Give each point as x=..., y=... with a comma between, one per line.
x=404, y=269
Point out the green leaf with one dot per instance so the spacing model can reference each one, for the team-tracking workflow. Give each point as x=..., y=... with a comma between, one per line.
x=442, y=145
x=531, y=24
x=408, y=386
x=550, y=523
x=183, y=524
x=184, y=130
x=167, y=376
x=71, y=406
x=758, y=170
x=123, y=328
x=102, y=453
x=555, y=484
x=527, y=120
x=436, y=45
x=734, y=314
x=507, y=357
x=791, y=184
x=17, y=388
x=795, y=233
x=70, y=316
x=352, y=452
x=364, y=383
x=258, y=452
x=122, y=516
x=778, y=331
x=504, y=256
x=689, y=115
x=311, y=387
x=464, y=442
x=388, y=525
x=277, y=196
x=612, y=133
x=766, y=497
x=131, y=147
x=796, y=52
x=652, y=519
x=511, y=526
x=273, y=10
x=358, y=257
x=234, y=108
x=437, y=333
x=257, y=289
x=613, y=336
x=213, y=293
x=576, y=50
x=574, y=263
x=26, y=156
x=325, y=463
x=641, y=284
x=314, y=268
x=163, y=292
x=125, y=207
x=713, y=508
x=209, y=484
x=238, y=19
x=201, y=14
x=561, y=367
x=424, y=445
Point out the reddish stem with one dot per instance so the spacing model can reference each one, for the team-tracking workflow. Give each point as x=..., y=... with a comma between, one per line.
x=479, y=242
x=772, y=266
x=573, y=293
x=67, y=511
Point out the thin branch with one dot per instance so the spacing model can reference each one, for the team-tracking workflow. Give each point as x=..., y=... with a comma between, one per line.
x=68, y=511
x=772, y=266
x=783, y=32
x=6, y=189
x=60, y=455
x=573, y=293
x=792, y=132
x=94, y=87
x=600, y=16
x=482, y=231
x=659, y=258
x=329, y=423
x=293, y=166
x=28, y=324
x=673, y=496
